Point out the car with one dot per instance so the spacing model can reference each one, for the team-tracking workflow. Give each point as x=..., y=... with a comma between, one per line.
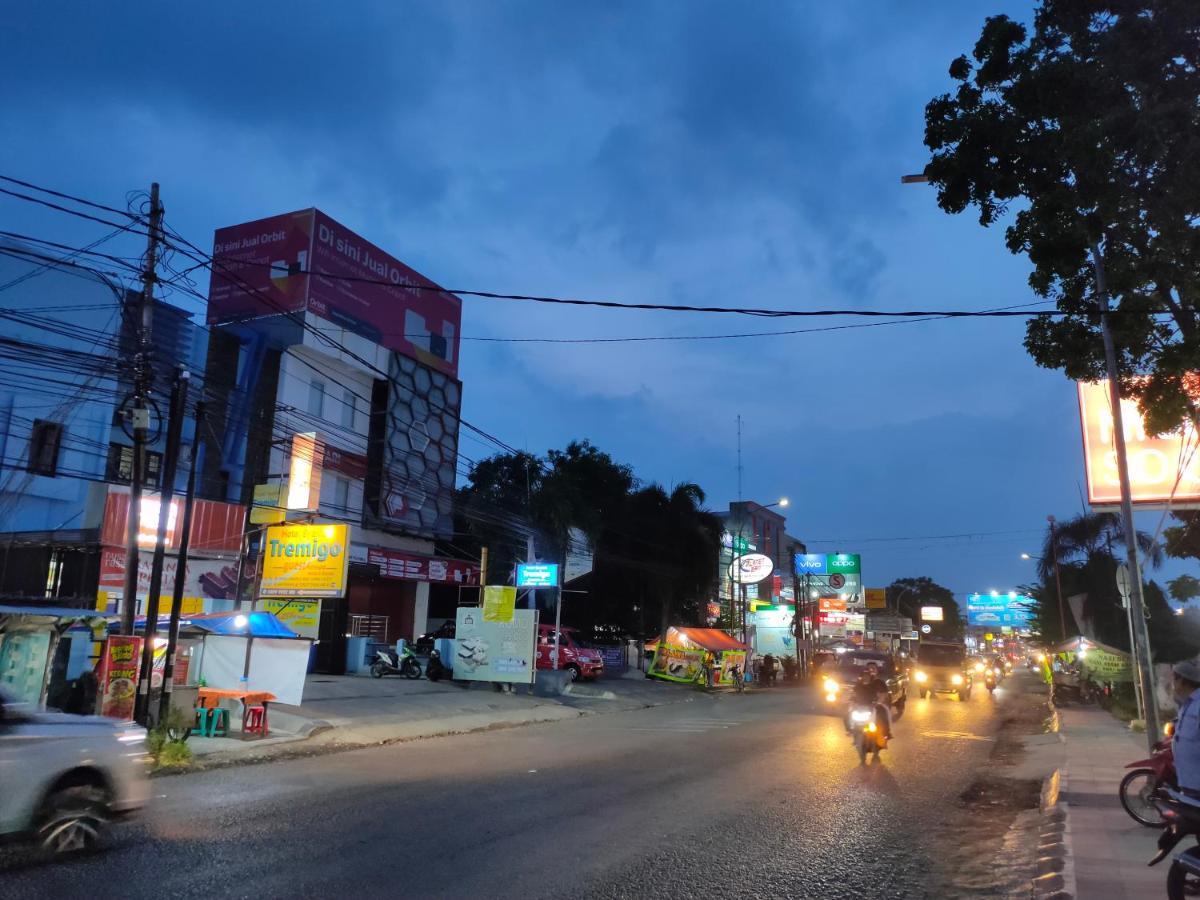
x=578, y=660
x=64, y=778
x=839, y=677
x=942, y=668
x=424, y=643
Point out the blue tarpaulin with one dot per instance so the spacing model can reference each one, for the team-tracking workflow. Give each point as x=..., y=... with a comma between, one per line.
x=256, y=624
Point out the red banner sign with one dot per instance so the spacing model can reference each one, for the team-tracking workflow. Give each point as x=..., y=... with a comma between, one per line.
x=414, y=567
x=216, y=527
x=119, y=676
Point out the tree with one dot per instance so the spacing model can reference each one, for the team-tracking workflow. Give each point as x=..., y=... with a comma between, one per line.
x=1184, y=588
x=908, y=595
x=1085, y=547
x=1090, y=126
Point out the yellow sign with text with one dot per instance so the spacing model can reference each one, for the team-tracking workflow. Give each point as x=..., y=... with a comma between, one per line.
x=305, y=561
x=499, y=603
x=876, y=598
x=302, y=616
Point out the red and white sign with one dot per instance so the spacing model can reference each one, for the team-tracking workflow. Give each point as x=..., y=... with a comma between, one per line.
x=349, y=463
x=414, y=567
x=212, y=578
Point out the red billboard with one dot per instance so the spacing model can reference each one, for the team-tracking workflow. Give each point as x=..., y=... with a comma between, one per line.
x=306, y=261
x=414, y=567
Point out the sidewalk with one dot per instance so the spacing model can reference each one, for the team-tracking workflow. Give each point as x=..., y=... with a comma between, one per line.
x=355, y=710
x=1109, y=850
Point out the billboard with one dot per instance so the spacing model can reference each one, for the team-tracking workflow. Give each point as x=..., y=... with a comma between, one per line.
x=306, y=261
x=305, y=561
x=486, y=650
x=1161, y=469
x=751, y=568
x=828, y=564
x=996, y=610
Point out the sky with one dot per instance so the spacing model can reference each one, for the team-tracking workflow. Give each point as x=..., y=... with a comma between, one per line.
x=701, y=153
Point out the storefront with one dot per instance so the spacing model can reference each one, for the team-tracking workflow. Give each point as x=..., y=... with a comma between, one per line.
x=33, y=654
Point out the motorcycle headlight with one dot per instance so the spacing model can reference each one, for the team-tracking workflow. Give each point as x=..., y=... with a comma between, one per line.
x=956, y=679
x=978, y=667
x=921, y=677
x=831, y=686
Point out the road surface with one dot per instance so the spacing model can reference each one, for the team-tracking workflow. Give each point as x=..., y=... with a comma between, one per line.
x=757, y=794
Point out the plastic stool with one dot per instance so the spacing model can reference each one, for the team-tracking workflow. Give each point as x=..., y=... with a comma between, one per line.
x=202, y=720
x=220, y=723
x=256, y=720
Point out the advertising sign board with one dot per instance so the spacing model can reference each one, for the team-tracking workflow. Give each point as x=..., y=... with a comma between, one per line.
x=680, y=664
x=932, y=614
x=537, y=574
x=998, y=610
x=205, y=579
x=751, y=568
x=495, y=651
x=1161, y=469
x=414, y=567
x=499, y=603
x=306, y=261
x=119, y=676
x=305, y=561
x=828, y=563
x=302, y=616
x=876, y=598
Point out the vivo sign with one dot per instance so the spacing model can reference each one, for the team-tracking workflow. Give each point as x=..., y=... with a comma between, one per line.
x=751, y=568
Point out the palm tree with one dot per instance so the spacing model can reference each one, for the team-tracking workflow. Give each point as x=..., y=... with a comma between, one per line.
x=1081, y=539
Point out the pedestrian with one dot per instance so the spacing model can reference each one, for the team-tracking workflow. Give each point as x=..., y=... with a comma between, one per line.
x=1186, y=743
x=768, y=670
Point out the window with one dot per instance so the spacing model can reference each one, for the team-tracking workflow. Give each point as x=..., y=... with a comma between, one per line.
x=44, y=441
x=316, y=397
x=120, y=465
x=341, y=494
x=349, y=409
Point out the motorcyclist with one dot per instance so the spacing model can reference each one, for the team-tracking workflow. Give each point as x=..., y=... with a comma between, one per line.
x=1187, y=727
x=870, y=690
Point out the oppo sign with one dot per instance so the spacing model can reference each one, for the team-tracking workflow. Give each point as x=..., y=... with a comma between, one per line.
x=751, y=568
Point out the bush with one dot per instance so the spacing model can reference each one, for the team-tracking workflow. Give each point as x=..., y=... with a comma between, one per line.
x=175, y=755
x=155, y=739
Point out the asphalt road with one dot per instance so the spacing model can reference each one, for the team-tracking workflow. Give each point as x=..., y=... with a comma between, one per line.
x=757, y=795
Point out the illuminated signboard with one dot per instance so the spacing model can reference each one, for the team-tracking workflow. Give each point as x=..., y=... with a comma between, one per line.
x=537, y=574
x=305, y=561
x=1161, y=469
x=751, y=568
x=996, y=610
x=932, y=614
x=828, y=564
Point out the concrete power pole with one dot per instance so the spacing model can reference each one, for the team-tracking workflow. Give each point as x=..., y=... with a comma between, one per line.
x=1137, y=603
x=140, y=413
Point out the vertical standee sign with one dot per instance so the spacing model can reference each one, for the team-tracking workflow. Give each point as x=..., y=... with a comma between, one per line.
x=119, y=676
x=489, y=650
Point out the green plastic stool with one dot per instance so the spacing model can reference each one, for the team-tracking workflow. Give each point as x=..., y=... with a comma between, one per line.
x=202, y=721
x=220, y=723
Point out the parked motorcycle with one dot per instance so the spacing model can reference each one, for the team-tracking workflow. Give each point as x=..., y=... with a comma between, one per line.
x=867, y=732
x=1149, y=782
x=1181, y=815
x=388, y=663
x=436, y=669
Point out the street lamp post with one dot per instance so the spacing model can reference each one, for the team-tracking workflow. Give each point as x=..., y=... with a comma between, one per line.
x=1062, y=616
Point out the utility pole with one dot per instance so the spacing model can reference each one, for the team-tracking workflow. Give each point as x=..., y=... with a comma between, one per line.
x=1137, y=602
x=185, y=536
x=140, y=412
x=1062, y=616
x=166, y=496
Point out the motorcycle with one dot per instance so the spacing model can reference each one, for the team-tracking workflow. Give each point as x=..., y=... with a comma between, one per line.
x=1149, y=782
x=867, y=732
x=436, y=669
x=989, y=679
x=387, y=663
x=1181, y=815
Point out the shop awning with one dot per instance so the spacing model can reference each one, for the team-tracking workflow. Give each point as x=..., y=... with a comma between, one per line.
x=55, y=613
x=255, y=624
x=711, y=639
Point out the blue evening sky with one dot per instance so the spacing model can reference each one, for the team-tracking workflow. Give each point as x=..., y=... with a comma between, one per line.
x=683, y=152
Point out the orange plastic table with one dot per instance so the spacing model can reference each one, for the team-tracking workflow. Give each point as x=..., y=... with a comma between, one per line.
x=210, y=698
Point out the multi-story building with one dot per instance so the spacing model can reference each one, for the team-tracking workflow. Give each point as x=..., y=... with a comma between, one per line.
x=334, y=372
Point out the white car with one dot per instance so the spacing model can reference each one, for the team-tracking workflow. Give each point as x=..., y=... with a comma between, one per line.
x=63, y=778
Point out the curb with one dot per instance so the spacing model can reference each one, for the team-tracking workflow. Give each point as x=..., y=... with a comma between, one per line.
x=1055, y=864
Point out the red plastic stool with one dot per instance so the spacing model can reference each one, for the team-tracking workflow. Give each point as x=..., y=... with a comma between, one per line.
x=255, y=721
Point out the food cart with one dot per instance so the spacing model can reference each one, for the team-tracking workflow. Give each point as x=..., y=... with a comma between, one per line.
x=682, y=653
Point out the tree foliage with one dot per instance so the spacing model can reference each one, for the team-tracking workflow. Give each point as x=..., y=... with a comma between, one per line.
x=655, y=551
x=908, y=595
x=1087, y=130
